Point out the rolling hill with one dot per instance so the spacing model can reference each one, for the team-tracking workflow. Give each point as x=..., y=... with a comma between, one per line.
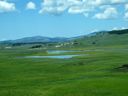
x=36, y=39
x=104, y=38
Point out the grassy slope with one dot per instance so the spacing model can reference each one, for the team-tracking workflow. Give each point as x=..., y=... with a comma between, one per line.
x=89, y=75
x=105, y=39
x=92, y=75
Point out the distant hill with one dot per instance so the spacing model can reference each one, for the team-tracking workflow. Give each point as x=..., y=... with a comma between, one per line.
x=103, y=38
x=119, y=32
x=36, y=39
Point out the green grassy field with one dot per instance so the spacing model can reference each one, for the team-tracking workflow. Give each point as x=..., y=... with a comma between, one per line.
x=101, y=39
x=95, y=74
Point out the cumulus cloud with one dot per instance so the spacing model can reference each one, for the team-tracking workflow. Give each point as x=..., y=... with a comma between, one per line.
x=123, y=28
x=115, y=28
x=126, y=7
x=119, y=28
x=59, y=6
x=71, y=6
x=126, y=15
x=94, y=30
x=31, y=5
x=108, y=13
x=6, y=6
x=53, y=6
x=80, y=7
x=119, y=1
x=84, y=7
x=77, y=10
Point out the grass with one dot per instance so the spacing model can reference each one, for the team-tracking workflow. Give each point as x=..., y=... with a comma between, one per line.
x=88, y=75
x=102, y=39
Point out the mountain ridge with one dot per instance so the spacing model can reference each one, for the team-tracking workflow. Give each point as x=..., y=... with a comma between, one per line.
x=43, y=39
x=36, y=39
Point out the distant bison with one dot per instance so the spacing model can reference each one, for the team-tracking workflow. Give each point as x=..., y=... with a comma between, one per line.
x=93, y=43
x=37, y=46
x=124, y=66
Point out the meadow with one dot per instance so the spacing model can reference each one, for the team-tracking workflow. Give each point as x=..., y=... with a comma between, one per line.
x=96, y=72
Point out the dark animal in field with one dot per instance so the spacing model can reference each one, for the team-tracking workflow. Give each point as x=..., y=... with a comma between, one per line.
x=37, y=46
x=124, y=66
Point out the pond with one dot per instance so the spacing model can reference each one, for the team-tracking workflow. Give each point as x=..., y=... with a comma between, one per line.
x=61, y=51
x=54, y=57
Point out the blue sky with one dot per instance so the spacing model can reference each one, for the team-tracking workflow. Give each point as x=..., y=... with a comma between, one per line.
x=60, y=18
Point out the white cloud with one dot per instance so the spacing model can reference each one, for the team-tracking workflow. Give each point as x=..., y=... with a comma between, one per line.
x=123, y=28
x=81, y=7
x=95, y=30
x=77, y=10
x=108, y=13
x=126, y=7
x=53, y=6
x=126, y=15
x=119, y=1
x=86, y=14
x=31, y=5
x=78, y=6
x=116, y=28
x=71, y=6
x=119, y=28
x=97, y=2
x=6, y=6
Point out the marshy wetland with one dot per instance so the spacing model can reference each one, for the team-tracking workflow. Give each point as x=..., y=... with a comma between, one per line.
x=95, y=74
x=57, y=54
